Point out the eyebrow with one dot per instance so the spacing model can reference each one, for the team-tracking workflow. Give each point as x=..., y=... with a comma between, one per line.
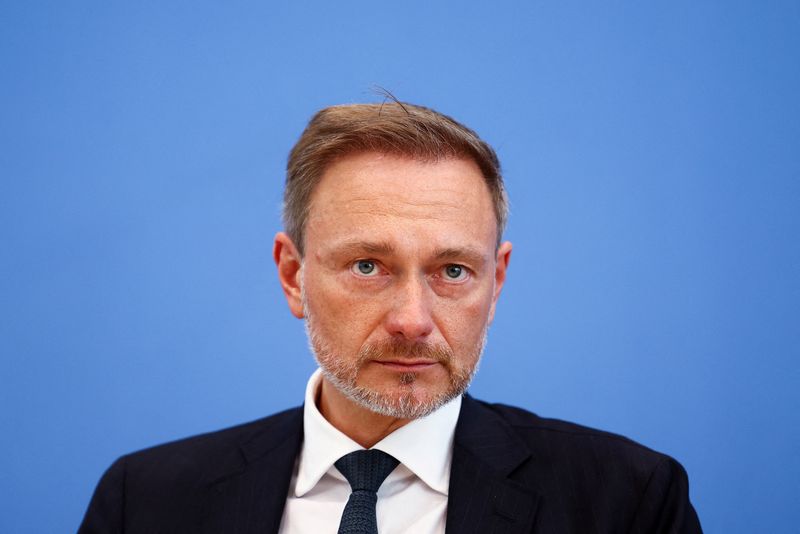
x=467, y=254
x=384, y=248
x=364, y=247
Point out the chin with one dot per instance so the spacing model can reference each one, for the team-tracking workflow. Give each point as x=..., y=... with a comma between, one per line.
x=408, y=398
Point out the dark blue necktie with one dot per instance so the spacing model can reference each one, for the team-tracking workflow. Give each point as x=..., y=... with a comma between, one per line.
x=365, y=471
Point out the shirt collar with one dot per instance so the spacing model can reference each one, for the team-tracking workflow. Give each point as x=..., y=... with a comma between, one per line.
x=424, y=446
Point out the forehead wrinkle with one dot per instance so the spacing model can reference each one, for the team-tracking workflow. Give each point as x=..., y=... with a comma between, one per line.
x=433, y=193
x=422, y=209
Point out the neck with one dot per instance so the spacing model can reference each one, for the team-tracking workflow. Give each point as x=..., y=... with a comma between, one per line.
x=363, y=426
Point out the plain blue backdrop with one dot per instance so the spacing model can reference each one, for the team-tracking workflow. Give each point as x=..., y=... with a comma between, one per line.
x=650, y=151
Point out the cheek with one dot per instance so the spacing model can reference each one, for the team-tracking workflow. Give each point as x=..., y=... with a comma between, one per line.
x=463, y=321
x=340, y=314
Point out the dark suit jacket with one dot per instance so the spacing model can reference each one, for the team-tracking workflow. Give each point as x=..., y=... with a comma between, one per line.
x=512, y=472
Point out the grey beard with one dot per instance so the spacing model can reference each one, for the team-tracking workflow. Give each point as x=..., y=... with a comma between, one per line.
x=343, y=375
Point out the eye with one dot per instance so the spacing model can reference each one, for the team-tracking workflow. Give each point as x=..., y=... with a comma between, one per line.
x=364, y=268
x=455, y=273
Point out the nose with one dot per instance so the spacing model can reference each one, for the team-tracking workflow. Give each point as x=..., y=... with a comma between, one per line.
x=409, y=315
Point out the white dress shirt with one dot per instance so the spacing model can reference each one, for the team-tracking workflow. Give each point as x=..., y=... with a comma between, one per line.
x=413, y=498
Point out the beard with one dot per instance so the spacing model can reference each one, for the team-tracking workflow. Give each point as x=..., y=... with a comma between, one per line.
x=404, y=399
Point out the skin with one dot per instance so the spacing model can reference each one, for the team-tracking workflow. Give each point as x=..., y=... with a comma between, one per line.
x=384, y=237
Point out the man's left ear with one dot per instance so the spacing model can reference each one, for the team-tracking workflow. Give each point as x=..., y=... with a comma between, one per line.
x=501, y=264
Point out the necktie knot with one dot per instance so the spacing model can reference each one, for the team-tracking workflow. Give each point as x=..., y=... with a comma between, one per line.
x=366, y=469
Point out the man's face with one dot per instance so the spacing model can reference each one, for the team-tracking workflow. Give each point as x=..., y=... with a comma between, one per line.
x=400, y=279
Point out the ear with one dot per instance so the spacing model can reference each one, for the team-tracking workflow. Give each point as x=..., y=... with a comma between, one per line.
x=289, y=263
x=501, y=264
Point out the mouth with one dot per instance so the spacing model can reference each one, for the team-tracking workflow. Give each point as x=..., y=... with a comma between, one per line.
x=407, y=366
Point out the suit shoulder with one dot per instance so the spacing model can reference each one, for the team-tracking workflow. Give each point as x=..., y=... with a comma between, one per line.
x=167, y=483
x=201, y=447
x=555, y=435
x=584, y=476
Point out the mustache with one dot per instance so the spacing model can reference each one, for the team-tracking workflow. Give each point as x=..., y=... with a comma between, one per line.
x=398, y=349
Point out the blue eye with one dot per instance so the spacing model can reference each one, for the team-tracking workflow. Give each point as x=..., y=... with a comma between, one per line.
x=364, y=268
x=455, y=273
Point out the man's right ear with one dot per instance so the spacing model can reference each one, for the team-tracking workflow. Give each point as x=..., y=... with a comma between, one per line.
x=289, y=263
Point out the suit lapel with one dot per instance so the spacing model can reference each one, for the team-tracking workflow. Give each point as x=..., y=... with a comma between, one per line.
x=483, y=498
x=246, y=492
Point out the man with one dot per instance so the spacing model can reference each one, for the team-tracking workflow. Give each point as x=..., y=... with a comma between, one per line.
x=393, y=255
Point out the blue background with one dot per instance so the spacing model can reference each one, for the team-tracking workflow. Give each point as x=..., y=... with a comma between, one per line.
x=651, y=154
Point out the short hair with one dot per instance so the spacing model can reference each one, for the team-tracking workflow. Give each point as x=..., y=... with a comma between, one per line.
x=395, y=128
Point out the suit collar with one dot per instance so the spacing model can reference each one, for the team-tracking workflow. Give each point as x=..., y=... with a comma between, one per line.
x=483, y=495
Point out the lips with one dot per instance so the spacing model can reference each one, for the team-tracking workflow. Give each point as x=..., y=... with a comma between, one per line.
x=407, y=365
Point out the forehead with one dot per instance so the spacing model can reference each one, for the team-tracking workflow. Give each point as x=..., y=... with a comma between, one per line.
x=393, y=196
